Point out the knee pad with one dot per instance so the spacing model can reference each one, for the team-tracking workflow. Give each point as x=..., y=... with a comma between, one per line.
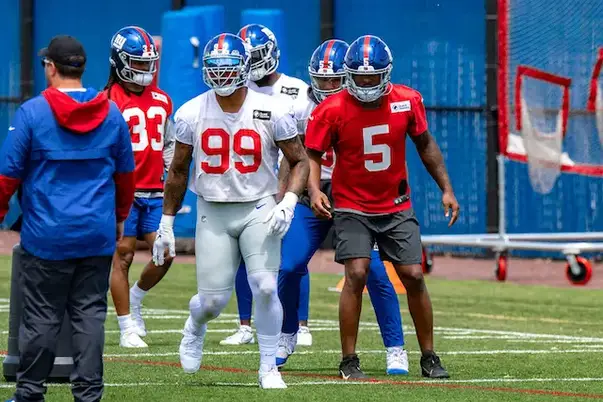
x=263, y=284
x=205, y=307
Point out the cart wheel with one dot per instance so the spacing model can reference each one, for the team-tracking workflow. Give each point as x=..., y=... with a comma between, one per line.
x=426, y=261
x=582, y=277
x=501, y=266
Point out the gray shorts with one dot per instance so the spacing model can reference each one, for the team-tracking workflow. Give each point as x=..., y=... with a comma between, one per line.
x=397, y=235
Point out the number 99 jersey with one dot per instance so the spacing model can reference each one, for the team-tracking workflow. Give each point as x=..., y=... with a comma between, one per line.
x=234, y=154
x=147, y=114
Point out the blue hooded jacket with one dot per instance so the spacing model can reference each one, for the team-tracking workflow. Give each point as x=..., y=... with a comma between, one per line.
x=71, y=154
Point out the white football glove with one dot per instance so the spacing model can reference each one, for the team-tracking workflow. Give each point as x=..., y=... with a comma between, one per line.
x=281, y=215
x=165, y=240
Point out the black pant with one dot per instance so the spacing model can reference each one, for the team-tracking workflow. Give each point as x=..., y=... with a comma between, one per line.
x=49, y=289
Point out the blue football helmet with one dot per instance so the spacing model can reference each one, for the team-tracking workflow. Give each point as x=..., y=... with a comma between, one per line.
x=134, y=44
x=226, y=64
x=368, y=55
x=327, y=62
x=264, y=50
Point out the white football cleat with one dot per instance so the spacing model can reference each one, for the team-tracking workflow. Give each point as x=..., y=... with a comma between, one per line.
x=397, y=361
x=286, y=347
x=131, y=339
x=271, y=379
x=304, y=337
x=243, y=336
x=191, y=346
x=135, y=312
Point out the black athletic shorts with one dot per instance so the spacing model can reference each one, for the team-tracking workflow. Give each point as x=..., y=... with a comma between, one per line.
x=397, y=235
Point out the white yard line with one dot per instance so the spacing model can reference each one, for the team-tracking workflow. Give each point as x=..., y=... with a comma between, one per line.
x=381, y=351
x=339, y=382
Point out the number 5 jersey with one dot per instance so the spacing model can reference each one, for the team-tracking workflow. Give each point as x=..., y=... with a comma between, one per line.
x=147, y=116
x=234, y=154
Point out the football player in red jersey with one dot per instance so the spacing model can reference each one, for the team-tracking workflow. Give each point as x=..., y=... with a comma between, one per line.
x=146, y=109
x=367, y=126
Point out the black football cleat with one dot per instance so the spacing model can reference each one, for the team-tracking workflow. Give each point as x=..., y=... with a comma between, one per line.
x=349, y=368
x=431, y=367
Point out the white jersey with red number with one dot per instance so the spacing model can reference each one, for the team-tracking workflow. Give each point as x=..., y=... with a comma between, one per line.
x=292, y=91
x=147, y=115
x=370, y=145
x=234, y=154
x=301, y=114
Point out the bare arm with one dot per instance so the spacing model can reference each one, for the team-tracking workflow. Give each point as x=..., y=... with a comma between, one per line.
x=283, y=178
x=175, y=186
x=434, y=162
x=432, y=158
x=314, y=177
x=297, y=159
x=283, y=174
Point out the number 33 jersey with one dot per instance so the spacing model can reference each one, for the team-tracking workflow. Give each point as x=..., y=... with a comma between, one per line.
x=234, y=154
x=147, y=114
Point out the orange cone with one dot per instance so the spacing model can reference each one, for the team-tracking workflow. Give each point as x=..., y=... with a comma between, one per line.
x=391, y=274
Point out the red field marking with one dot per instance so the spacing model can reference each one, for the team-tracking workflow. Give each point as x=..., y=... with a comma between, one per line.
x=387, y=382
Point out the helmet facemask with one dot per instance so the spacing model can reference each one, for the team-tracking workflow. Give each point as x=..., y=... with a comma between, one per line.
x=225, y=74
x=315, y=82
x=263, y=61
x=138, y=76
x=368, y=94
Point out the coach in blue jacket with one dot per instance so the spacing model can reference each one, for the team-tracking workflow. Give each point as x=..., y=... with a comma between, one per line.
x=70, y=151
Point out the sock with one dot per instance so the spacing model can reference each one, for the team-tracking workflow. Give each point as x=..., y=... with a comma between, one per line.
x=136, y=294
x=289, y=295
x=268, y=316
x=268, y=345
x=304, y=297
x=125, y=322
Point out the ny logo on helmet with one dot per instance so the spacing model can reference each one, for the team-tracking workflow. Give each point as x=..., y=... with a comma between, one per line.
x=119, y=41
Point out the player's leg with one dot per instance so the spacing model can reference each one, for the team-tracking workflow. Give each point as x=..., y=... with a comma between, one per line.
x=304, y=336
x=387, y=310
x=299, y=244
x=120, y=288
x=243, y=335
x=354, y=245
x=151, y=274
x=217, y=259
x=262, y=255
x=400, y=242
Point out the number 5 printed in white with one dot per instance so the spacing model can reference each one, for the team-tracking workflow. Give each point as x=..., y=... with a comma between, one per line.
x=372, y=150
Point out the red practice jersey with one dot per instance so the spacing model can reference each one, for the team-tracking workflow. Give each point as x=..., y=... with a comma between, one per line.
x=370, y=145
x=146, y=115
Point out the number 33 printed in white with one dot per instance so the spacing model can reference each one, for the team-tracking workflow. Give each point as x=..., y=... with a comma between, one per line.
x=380, y=155
x=141, y=127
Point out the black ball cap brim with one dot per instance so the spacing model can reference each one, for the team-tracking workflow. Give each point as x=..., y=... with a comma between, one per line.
x=65, y=50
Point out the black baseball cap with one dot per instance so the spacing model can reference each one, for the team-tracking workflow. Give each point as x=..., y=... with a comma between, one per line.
x=65, y=50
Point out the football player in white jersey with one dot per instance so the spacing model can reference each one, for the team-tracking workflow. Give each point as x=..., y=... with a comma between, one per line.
x=233, y=135
x=266, y=79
